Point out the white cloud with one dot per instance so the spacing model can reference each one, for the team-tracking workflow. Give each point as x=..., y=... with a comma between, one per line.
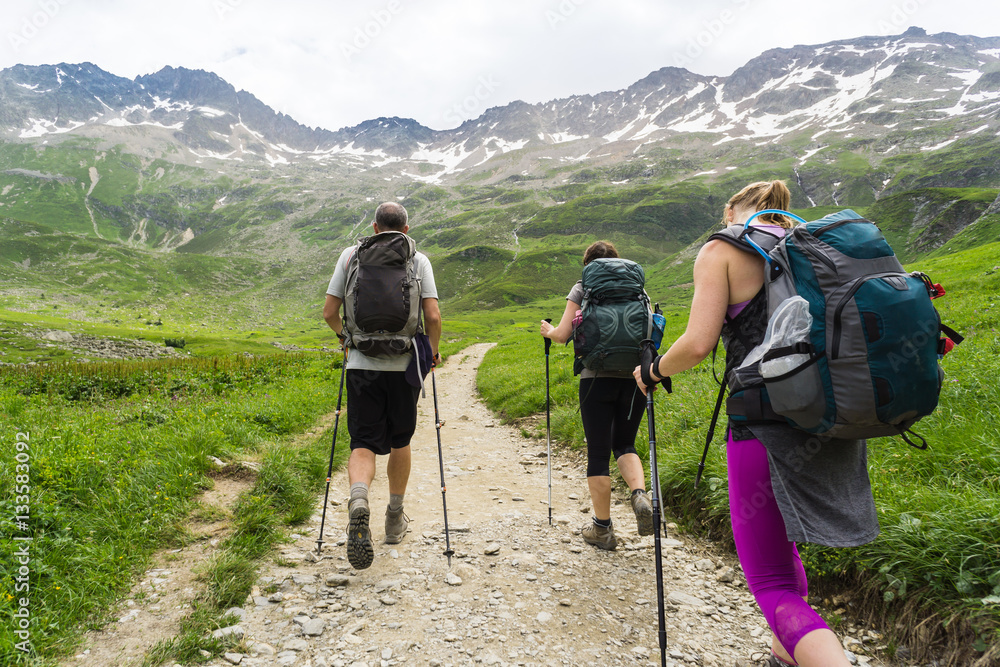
x=334, y=64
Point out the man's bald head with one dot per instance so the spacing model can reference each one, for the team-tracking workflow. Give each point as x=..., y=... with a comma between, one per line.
x=390, y=216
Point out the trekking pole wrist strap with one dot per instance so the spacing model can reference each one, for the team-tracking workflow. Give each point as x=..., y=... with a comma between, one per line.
x=654, y=372
x=654, y=369
x=650, y=375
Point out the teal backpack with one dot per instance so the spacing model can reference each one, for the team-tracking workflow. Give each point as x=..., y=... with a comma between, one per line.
x=853, y=341
x=615, y=317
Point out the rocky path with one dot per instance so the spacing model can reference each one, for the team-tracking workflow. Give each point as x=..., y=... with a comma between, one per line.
x=518, y=592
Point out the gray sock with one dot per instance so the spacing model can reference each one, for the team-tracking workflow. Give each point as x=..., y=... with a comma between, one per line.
x=359, y=490
x=395, y=501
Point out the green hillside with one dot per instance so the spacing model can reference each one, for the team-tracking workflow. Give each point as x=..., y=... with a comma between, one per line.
x=108, y=243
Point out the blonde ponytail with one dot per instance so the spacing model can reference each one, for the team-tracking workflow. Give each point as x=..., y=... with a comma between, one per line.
x=760, y=196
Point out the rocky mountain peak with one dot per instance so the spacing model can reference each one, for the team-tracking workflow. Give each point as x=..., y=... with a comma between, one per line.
x=857, y=87
x=195, y=86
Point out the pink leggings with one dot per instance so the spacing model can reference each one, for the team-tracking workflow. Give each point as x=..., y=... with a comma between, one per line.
x=770, y=561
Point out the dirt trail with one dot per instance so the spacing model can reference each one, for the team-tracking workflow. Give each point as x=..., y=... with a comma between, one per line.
x=519, y=592
x=161, y=599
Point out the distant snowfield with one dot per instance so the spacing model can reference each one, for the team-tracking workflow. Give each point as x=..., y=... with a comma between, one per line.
x=41, y=127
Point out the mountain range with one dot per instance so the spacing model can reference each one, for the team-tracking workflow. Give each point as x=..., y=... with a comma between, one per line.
x=99, y=170
x=866, y=87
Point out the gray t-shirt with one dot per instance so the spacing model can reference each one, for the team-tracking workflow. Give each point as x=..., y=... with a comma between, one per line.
x=576, y=296
x=338, y=287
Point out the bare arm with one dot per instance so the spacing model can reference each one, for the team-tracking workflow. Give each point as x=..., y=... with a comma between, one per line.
x=432, y=322
x=708, y=312
x=331, y=313
x=564, y=330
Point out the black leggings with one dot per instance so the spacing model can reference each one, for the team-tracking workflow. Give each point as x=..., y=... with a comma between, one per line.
x=611, y=410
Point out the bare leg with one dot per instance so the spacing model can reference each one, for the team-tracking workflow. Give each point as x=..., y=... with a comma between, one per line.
x=820, y=648
x=361, y=466
x=826, y=645
x=398, y=470
x=600, y=496
x=780, y=651
x=630, y=466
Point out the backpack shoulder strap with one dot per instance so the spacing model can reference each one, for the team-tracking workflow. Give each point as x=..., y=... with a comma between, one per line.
x=738, y=235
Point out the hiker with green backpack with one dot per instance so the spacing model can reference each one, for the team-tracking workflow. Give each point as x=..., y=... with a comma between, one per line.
x=785, y=485
x=391, y=328
x=609, y=299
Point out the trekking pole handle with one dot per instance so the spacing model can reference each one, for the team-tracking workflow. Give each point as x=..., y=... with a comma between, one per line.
x=548, y=341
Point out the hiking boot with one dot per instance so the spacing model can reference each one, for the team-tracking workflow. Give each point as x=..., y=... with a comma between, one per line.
x=360, y=552
x=643, y=512
x=395, y=525
x=600, y=536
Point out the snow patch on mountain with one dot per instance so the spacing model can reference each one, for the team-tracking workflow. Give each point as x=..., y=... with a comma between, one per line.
x=940, y=145
x=40, y=127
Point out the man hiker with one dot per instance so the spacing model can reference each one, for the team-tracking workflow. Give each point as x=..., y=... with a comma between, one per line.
x=382, y=403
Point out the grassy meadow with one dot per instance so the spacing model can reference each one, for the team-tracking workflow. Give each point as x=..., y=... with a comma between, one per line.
x=117, y=453
x=933, y=575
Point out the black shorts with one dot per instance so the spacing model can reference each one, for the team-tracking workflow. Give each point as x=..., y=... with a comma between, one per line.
x=381, y=410
x=611, y=409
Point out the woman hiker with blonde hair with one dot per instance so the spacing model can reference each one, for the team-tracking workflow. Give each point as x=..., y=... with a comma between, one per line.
x=777, y=497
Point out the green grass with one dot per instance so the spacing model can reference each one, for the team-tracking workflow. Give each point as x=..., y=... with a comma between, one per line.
x=918, y=221
x=283, y=494
x=117, y=454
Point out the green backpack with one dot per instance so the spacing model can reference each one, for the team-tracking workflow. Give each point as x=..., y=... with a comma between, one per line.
x=615, y=316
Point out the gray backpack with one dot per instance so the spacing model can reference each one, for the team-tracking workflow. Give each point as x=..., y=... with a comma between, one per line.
x=382, y=299
x=852, y=342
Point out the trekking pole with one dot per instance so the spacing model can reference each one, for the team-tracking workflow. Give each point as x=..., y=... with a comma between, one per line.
x=333, y=448
x=548, y=430
x=648, y=354
x=444, y=503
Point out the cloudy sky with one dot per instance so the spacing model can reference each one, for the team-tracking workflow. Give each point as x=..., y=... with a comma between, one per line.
x=334, y=63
